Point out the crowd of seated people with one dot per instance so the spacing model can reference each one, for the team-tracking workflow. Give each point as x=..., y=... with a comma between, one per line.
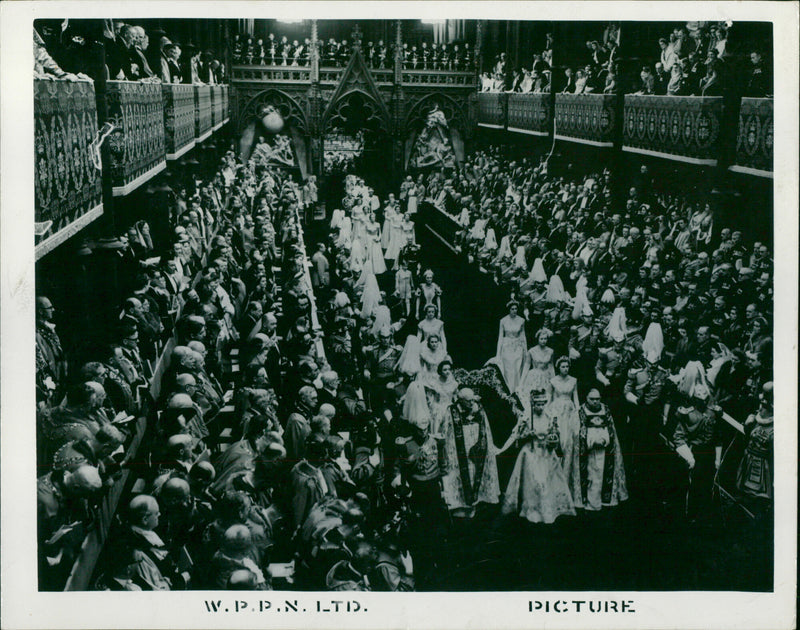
x=535, y=79
x=348, y=435
x=696, y=60
x=245, y=487
x=650, y=303
x=72, y=52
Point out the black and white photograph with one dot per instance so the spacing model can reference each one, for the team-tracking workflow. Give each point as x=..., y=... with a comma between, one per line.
x=338, y=317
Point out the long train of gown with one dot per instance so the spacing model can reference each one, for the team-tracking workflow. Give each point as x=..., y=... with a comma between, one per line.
x=537, y=490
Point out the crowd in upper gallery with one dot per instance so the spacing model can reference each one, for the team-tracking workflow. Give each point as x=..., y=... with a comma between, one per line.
x=71, y=51
x=281, y=51
x=693, y=60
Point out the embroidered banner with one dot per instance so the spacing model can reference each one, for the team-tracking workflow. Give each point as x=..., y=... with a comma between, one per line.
x=586, y=118
x=529, y=113
x=754, y=143
x=203, y=112
x=492, y=109
x=66, y=182
x=684, y=128
x=137, y=145
x=178, y=118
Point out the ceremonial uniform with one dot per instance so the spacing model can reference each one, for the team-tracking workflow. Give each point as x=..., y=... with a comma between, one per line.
x=380, y=363
x=699, y=429
x=645, y=423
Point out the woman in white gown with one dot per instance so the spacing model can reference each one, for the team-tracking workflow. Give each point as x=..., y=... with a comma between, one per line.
x=428, y=293
x=439, y=392
x=511, y=347
x=431, y=325
x=564, y=407
x=386, y=236
x=358, y=255
x=397, y=240
x=412, y=199
x=374, y=256
x=539, y=369
x=345, y=237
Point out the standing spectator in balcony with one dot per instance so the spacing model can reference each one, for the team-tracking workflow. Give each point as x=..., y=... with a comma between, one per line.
x=173, y=55
x=759, y=79
x=569, y=88
x=468, y=58
x=590, y=84
x=204, y=71
x=599, y=55
x=236, y=49
x=44, y=67
x=140, y=44
x=676, y=86
x=660, y=80
x=710, y=84
x=719, y=41
x=425, y=56
x=668, y=56
x=271, y=54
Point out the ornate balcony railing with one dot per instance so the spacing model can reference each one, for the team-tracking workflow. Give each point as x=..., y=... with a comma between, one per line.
x=585, y=118
x=492, y=109
x=271, y=74
x=684, y=128
x=67, y=182
x=137, y=145
x=438, y=78
x=202, y=112
x=529, y=113
x=152, y=123
x=756, y=137
x=329, y=75
x=178, y=118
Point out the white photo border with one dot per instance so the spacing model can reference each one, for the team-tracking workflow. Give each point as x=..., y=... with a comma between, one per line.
x=24, y=607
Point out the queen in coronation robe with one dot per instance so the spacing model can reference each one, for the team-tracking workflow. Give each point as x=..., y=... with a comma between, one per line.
x=537, y=490
x=470, y=467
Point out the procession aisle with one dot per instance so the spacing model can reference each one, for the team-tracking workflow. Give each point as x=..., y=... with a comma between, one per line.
x=472, y=303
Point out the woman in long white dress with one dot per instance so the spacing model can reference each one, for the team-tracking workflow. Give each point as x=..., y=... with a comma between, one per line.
x=428, y=293
x=439, y=392
x=358, y=255
x=432, y=325
x=345, y=237
x=539, y=368
x=412, y=199
x=564, y=406
x=386, y=236
x=511, y=347
x=537, y=490
x=374, y=256
x=397, y=239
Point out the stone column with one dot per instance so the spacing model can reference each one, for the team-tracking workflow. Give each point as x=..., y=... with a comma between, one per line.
x=398, y=107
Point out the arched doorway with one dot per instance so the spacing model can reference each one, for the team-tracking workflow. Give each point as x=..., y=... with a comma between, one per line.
x=355, y=139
